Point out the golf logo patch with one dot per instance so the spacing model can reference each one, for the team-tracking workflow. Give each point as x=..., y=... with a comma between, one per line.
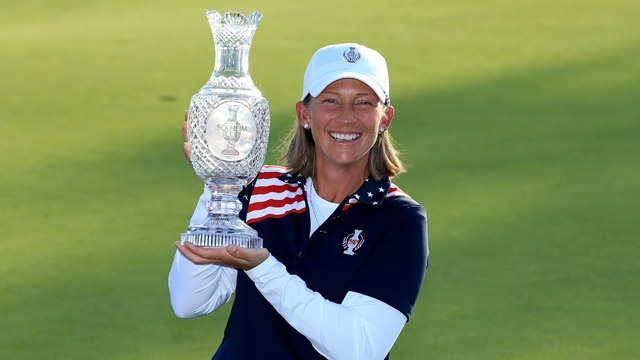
x=352, y=55
x=352, y=242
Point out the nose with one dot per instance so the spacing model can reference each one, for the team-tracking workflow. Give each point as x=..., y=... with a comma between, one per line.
x=348, y=114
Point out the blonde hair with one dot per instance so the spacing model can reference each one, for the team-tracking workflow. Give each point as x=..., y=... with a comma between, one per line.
x=300, y=154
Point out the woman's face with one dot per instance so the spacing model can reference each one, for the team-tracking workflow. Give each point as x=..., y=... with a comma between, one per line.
x=344, y=119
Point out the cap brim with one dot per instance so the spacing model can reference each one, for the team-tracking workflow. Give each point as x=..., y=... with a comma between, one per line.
x=321, y=84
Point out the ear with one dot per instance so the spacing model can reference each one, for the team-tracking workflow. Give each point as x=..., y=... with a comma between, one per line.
x=302, y=113
x=385, y=122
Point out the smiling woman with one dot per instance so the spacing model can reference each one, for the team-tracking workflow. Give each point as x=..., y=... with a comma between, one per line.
x=345, y=121
x=345, y=250
x=329, y=65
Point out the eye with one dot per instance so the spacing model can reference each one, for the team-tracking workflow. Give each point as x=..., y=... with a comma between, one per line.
x=331, y=101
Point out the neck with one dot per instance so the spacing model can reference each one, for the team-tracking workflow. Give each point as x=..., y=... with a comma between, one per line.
x=334, y=186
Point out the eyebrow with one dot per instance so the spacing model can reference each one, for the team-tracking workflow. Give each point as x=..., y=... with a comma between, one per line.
x=358, y=94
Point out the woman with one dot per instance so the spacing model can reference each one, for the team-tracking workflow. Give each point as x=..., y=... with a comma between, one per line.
x=345, y=250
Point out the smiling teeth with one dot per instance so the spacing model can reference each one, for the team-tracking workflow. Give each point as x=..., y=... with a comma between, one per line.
x=345, y=136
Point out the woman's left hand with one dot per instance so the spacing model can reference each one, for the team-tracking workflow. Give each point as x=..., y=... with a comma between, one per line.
x=232, y=255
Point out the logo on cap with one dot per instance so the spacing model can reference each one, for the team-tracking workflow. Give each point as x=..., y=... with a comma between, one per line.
x=352, y=55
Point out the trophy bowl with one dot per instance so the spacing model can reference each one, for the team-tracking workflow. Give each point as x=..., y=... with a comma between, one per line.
x=228, y=131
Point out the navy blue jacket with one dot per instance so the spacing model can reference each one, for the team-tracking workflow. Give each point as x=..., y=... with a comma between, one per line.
x=375, y=243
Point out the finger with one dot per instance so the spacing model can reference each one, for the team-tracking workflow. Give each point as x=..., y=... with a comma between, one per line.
x=184, y=129
x=247, y=258
x=232, y=255
x=195, y=258
x=188, y=254
x=211, y=255
x=185, y=136
x=186, y=151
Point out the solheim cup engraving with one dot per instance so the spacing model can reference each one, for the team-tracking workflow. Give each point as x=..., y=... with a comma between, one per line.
x=228, y=131
x=237, y=126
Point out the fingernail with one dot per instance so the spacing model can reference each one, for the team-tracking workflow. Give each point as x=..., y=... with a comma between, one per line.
x=231, y=249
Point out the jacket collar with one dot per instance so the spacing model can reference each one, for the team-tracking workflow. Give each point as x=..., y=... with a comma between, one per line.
x=371, y=192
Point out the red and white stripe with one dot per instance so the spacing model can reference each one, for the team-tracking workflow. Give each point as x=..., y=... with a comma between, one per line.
x=272, y=198
x=394, y=190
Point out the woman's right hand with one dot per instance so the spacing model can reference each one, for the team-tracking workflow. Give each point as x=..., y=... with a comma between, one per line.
x=231, y=255
x=185, y=144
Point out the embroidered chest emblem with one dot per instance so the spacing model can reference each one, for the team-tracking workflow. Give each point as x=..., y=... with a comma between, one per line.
x=352, y=242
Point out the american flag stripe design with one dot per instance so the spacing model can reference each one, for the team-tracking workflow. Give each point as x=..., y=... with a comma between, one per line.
x=274, y=211
x=272, y=198
x=273, y=195
x=395, y=191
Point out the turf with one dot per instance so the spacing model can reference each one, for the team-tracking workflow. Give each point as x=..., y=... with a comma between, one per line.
x=519, y=121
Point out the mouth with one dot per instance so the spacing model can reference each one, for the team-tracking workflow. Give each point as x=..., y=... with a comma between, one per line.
x=344, y=137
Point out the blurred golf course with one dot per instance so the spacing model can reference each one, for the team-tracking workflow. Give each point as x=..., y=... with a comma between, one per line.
x=519, y=120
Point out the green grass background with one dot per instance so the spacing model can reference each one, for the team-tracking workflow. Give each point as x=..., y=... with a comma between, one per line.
x=520, y=121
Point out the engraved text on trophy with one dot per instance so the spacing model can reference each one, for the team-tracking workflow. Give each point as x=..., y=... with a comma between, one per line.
x=231, y=131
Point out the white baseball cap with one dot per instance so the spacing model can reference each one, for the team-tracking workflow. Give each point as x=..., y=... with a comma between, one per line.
x=353, y=61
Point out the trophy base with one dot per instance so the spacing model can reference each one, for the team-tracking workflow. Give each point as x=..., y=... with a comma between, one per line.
x=215, y=240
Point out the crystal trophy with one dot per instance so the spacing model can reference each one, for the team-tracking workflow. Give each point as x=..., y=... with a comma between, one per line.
x=228, y=131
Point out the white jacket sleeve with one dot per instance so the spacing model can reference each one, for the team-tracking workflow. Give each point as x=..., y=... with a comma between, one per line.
x=197, y=290
x=361, y=327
